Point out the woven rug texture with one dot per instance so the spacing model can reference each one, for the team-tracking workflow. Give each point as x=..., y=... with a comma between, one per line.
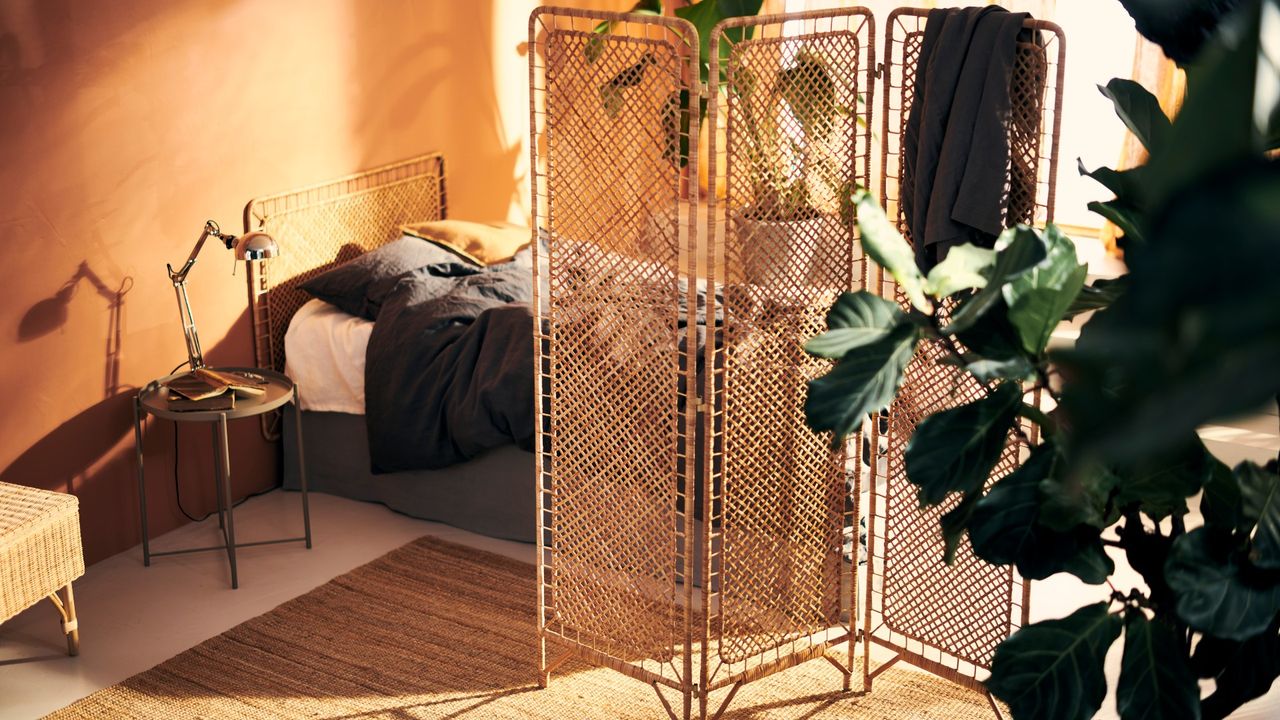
x=437, y=630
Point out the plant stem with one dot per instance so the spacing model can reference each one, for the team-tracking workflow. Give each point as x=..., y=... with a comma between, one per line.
x=1037, y=416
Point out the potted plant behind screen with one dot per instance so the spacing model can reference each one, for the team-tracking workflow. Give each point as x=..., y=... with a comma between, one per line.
x=788, y=195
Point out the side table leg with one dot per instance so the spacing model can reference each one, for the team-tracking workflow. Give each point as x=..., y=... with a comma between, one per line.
x=225, y=473
x=222, y=508
x=302, y=464
x=142, y=482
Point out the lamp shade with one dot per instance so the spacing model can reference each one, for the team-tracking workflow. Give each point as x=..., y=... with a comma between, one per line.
x=256, y=246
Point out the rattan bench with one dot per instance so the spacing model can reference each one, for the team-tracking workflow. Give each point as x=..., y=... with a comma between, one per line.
x=40, y=553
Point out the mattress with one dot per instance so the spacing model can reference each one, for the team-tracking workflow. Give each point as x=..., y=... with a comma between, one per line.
x=324, y=350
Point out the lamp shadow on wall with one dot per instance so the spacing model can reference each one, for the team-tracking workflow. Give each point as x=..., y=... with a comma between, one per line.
x=92, y=453
x=50, y=314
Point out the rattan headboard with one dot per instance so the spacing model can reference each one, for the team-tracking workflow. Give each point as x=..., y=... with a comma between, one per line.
x=320, y=226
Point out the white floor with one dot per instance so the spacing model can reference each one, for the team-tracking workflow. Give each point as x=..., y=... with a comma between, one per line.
x=134, y=617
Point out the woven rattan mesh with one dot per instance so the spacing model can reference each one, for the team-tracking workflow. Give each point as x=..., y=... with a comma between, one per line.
x=327, y=224
x=788, y=151
x=949, y=619
x=324, y=225
x=39, y=545
x=622, y=401
x=614, y=358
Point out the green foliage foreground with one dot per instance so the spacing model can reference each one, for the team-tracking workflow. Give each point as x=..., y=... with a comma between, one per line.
x=1191, y=334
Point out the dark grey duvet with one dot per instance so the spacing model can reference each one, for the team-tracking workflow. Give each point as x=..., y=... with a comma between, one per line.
x=449, y=369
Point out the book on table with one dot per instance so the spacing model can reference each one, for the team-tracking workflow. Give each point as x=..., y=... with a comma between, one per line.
x=203, y=384
x=217, y=403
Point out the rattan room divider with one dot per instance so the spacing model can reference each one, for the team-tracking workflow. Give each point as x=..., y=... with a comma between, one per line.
x=949, y=619
x=693, y=533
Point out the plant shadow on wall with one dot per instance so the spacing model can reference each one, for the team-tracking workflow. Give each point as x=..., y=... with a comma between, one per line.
x=1189, y=335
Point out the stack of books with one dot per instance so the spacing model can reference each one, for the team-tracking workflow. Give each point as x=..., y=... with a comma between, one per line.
x=205, y=389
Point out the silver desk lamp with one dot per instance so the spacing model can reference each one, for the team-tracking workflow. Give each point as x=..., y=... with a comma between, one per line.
x=250, y=246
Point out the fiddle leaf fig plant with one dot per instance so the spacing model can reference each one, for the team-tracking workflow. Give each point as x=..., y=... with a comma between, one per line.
x=1189, y=335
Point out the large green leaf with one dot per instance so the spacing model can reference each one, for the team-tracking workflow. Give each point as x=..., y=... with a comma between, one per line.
x=1140, y=111
x=955, y=450
x=1098, y=296
x=595, y=46
x=1222, y=121
x=1160, y=483
x=1214, y=596
x=1196, y=336
x=1016, y=368
x=1002, y=524
x=855, y=320
x=886, y=246
x=992, y=336
x=1126, y=184
x=1155, y=681
x=705, y=15
x=1260, y=508
x=862, y=382
x=1052, y=670
x=1122, y=215
x=1039, y=298
x=1089, y=562
x=1179, y=28
x=811, y=93
x=1017, y=251
x=954, y=522
x=1221, y=504
x=1004, y=528
x=1242, y=672
x=676, y=118
x=966, y=267
x=1079, y=497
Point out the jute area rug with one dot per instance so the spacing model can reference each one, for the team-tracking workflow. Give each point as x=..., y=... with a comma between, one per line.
x=436, y=630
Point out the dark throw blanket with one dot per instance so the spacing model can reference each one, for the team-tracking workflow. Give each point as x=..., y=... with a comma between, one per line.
x=955, y=146
x=449, y=369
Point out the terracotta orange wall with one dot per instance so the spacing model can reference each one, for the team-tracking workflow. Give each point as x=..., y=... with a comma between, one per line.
x=124, y=125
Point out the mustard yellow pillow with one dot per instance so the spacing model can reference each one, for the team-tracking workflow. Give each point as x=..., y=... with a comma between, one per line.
x=483, y=243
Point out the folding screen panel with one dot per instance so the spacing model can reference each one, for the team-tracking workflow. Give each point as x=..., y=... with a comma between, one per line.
x=949, y=619
x=615, y=358
x=791, y=142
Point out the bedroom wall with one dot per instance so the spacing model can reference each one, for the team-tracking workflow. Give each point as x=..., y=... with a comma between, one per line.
x=123, y=126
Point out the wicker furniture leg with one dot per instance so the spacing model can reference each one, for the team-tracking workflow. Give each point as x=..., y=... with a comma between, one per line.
x=65, y=602
x=72, y=626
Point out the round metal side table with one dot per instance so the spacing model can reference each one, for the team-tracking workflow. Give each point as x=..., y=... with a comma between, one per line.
x=154, y=400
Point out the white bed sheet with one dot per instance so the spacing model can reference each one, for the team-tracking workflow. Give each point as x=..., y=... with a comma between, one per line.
x=324, y=354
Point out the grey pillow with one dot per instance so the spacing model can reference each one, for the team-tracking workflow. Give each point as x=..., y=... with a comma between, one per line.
x=354, y=286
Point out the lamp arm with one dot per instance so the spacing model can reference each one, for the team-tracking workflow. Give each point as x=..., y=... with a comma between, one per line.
x=179, y=278
x=210, y=228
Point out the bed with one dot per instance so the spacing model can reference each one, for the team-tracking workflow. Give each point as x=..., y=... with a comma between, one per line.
x=320, y=227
